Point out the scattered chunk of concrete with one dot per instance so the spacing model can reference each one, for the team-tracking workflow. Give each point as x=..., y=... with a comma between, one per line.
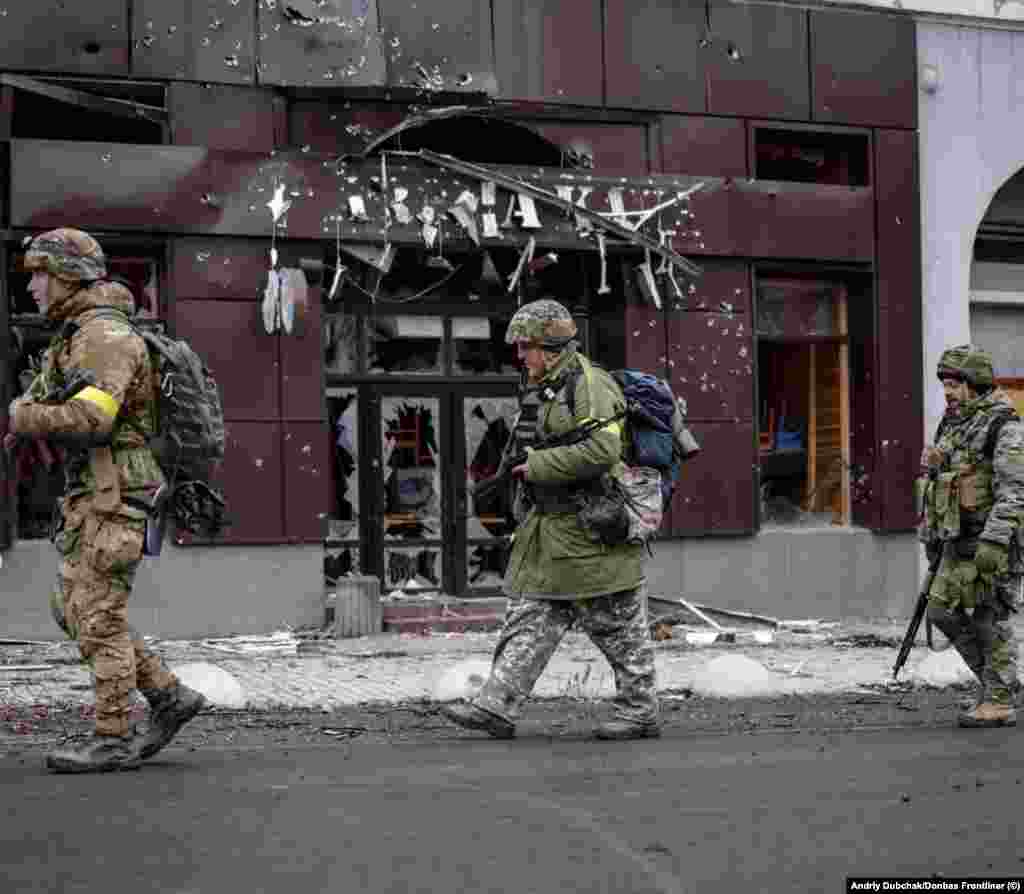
x=942, y=669
x=733, y=676
x=462, y=680
x=217, y=684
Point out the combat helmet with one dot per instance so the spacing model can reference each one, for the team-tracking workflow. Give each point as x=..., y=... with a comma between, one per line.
x=69, y=254
x=544, y=322
x=968, y=363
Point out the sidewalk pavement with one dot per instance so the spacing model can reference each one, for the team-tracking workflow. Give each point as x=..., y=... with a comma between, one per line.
x=312, y=670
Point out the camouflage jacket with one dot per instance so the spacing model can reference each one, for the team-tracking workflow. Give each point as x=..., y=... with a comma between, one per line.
x=552, y=557
x=120, y=411
x=971, y=495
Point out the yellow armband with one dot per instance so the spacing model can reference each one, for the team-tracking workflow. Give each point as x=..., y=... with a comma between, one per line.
x=107, y=405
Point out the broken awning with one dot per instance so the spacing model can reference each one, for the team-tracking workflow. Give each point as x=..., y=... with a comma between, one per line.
x=569, y=196
x=497, y=138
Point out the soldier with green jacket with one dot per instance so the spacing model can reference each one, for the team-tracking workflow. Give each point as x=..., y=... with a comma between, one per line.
x=96, y=395
x=557, y=574
x=973, y=487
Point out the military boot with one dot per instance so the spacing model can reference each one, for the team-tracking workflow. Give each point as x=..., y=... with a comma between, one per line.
x=100, y=754
x=988, y=714
x=614, y=730
x=472, y=716
x=169, y=710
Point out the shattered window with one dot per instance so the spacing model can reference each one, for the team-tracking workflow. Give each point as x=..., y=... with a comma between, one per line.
x=341, y=546
x=478, y=347
x=412, y=472
x=405, y=344
x=411, y=569
x=341, y=344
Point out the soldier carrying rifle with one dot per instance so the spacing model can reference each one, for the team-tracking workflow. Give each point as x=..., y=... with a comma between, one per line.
x=973, y=490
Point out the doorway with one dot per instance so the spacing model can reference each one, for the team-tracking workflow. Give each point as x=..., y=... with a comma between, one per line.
x=804, y=395
x=404, y=460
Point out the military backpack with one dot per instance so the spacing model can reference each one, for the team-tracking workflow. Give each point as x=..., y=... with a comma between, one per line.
x=190, y=436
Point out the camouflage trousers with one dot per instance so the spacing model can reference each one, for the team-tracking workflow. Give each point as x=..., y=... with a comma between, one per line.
x=975, y=617
x=533, y=628
x=99, y=555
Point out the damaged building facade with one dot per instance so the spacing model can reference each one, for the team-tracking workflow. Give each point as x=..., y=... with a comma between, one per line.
x=341, y=204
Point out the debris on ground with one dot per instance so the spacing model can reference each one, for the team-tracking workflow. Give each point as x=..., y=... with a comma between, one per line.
x=463, y=680
x=940, y=669
x=701, y=624
x=283, y=642
x=809, y=625
x=736, y=676
x=218, y=685
x=865, y=641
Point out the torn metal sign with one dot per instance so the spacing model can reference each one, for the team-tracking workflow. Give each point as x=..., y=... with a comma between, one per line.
x=595, y=219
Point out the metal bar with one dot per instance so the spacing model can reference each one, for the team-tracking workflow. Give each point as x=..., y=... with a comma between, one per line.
x=125, y=108
x=516, y=185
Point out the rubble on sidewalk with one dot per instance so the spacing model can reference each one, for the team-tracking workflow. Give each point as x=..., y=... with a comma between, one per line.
x=701, y=625
x=283, y=642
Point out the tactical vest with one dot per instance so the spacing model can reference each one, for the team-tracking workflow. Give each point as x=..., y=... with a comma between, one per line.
x=959, y=495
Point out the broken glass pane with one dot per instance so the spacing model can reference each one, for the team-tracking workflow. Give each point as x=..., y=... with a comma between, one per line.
x=479, y=347
x=341, y=346
x=404, y=344
x=343, y=415
x=489, y=423
x=410, y=571
x=412, y=473
x=486, y=563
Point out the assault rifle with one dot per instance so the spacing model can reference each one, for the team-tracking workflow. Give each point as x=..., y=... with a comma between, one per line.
x=482, y=489
x=915, y=621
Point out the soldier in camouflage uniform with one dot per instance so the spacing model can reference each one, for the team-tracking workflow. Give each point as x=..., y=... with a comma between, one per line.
x=973, y=487
x=111, y=478
x=557, y=576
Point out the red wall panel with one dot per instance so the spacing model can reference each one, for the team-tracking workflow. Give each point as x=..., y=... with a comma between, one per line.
x=342, y=128
x=863, y=69
x=77, y=38
x=900, y=397
x=196, y=40
x=451, y=41
x=302, y=386
x=796, y=220
x=226, y=117
x=307, y=485
x=251, y=479
x=229, y=336
x=716, y=492
x=693, y=144
x=723, y=286
x=315, y=51
x=652, y=57
x=549, y=50
x=645, y=339
x=710, y=356
x=770, y=76
x=219, y=268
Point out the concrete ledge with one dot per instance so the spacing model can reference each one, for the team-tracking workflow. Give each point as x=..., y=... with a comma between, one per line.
x=186, y=593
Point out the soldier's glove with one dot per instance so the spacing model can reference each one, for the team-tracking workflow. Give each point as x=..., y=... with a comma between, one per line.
x=992, y=560
x=932, y=550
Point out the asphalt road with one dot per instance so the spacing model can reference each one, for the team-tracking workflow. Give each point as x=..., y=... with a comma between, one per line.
x=255, y=807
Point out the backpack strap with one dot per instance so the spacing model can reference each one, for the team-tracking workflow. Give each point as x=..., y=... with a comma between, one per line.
x=994, y=430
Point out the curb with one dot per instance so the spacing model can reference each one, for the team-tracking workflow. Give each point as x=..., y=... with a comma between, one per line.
x=447, y=616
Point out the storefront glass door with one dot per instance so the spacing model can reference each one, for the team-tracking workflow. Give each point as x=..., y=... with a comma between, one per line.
x=407, y=457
